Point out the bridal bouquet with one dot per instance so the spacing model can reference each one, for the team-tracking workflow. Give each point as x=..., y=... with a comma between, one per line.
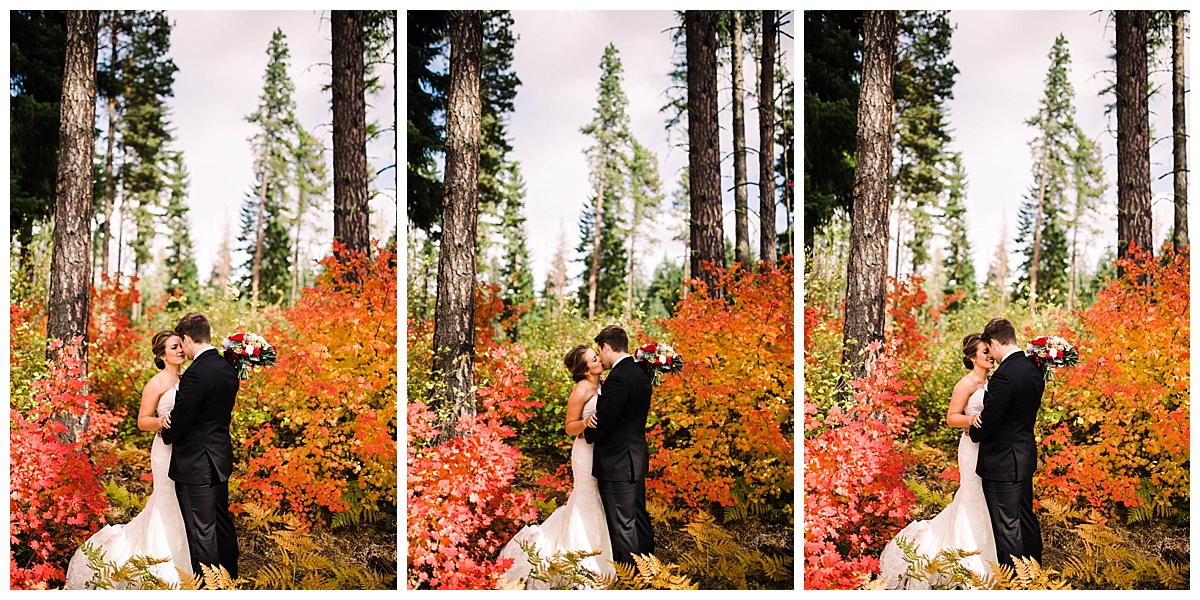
x=1050, y=353
x=246, y=350
x=657, y=359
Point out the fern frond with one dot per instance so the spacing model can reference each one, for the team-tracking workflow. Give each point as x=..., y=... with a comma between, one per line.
x=217, y=578
x=188, y=581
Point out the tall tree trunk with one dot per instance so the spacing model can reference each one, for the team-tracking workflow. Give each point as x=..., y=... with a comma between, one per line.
x=454, y=316
x=766, y=142
x=259, y=230
x=1133, y=135
x=1179, y=131
x=110, y=182
x=1037, y=231
x=867, y=268
x=71, y=262
x=704, y=159
x=350, y=209
x=594, y=268
x=741, y=218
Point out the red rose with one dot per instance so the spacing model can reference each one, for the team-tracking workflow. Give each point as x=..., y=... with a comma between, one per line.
x=649, y=348
x=1039, y=342
x=257, y=351
x=236, y=337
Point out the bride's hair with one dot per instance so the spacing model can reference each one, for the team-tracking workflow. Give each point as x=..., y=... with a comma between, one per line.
x=970, y=344
x=158, y=345
x=576, y=362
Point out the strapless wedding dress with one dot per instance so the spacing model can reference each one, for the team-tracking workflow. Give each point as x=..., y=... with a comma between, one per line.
x=964, y=524
x=577, y=525
x=157, y=531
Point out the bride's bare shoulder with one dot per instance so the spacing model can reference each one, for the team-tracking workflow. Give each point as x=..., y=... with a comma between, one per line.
x=159, y=384
x=584, y=389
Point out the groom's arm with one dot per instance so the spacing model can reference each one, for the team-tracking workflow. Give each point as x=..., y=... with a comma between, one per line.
x=187, y=402
x=614, y=397
x=995, y=404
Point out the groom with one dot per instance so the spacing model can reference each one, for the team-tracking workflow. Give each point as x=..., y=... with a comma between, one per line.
x=619, y=458
x=1007, y=448
x=202, y=454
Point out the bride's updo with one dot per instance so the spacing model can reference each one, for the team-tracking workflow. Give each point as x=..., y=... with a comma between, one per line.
x=970, y=344
x=158, y=345
x=576, y=362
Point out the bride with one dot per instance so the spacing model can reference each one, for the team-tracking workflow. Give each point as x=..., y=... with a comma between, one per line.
x=964, y=524
x=579, y=524
x=157, y=531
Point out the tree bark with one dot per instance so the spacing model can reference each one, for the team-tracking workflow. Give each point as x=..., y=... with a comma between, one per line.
x=259, y=229
x=71, y=262
x=1179, y=132
x=594, y=268
x=704, y=160
x=1133, y=135
x=741, y=218
x=1037, y=230
x=454, y=316
x=867, y=270
x=766, y=142
x=350, y=208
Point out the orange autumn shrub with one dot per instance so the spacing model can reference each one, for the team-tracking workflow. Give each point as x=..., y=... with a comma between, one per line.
x=318, y=430
x=721, y=431
x=1124, y=423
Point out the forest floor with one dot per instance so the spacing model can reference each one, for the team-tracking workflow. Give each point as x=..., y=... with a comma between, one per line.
x=369, y=546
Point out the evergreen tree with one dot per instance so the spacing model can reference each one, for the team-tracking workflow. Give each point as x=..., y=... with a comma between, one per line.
x=600, y=225
x=958, y=267
x=1087, y=178
x=665, y=290
x=181, y=273
x=997, y=275
x=516, y=278
x=924, y=82
x=832, y=51
x=36, y=56
x=1041, y=230
x=262, y=231
x=222, y=270
x=785, y=166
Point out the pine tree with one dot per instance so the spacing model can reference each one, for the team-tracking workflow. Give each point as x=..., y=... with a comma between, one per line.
x=351, y=208
x=261, y=230
x=554, y=293
x=1087, y=179
x=600, y=225
x=1041, y=230
x=181, y=274
x=1134, y=214
x=958, y=267
x=222, y=270
x=785, y=167
x=997, y=275
x=924, y=82
x=665, y=290
x=516, y=278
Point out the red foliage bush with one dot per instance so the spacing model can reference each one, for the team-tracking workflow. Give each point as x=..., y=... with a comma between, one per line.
x=319, y=427
x=56, y=496
x=119, y=353
x=723, y=427
x=854, y=492
x=461, y=505
x=1123, y=422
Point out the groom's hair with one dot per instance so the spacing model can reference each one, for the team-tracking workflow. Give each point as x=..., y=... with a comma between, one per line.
x=615, y=337
x=195, y=326
x=999, y=330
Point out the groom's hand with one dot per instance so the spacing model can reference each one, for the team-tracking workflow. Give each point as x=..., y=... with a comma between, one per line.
x=978, y=421
x=590, y=422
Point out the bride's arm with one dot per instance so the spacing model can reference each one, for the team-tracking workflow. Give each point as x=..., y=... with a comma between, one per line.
x=956, y=414
x=575, y=403
x=146, y=420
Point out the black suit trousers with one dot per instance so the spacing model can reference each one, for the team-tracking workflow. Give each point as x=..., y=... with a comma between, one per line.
x=1014, y=524
x=628, y=522
x=210, y=534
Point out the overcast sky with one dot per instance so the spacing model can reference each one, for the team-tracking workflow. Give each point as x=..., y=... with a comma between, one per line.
x=558, y=60
x=1002, y=59
x=222, y=59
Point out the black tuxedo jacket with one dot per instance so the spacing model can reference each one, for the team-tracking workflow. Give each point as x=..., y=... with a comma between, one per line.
x=1007, y=448
x=199, y=432
x=619, y=438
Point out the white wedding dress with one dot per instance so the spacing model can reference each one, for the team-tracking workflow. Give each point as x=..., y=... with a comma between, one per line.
x=964, y=524
x=157, y=531
x=577, y=525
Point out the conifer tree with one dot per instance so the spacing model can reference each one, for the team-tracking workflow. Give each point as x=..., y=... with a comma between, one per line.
x=516, y=278
x=957, y=264
x=1041, y=230
x=222, y=270
x=602, y=242
x=312, y=183
x=1087, y=181
x=554, y=293
x=645, y=192
x=181, y=274
x=262, y=233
